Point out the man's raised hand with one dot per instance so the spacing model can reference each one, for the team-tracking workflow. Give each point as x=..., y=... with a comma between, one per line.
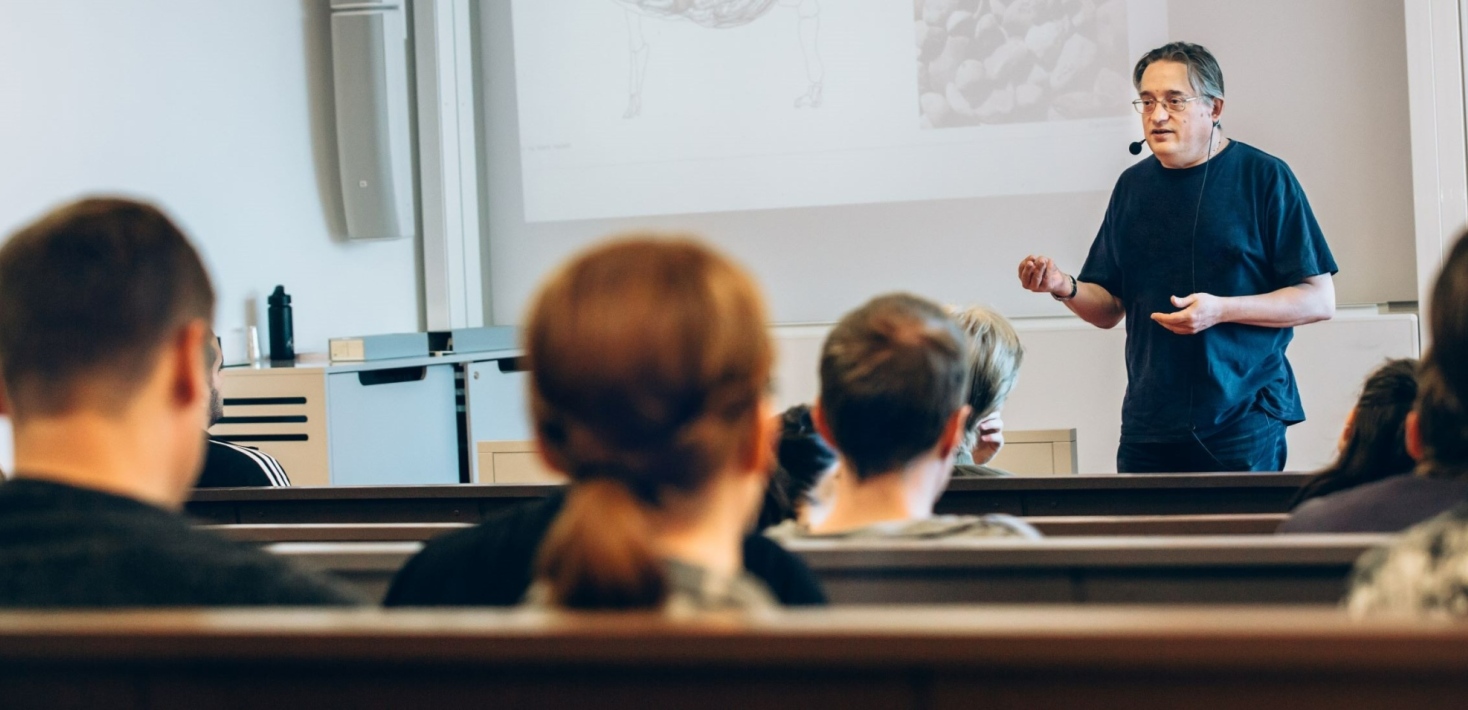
x=1041, y=275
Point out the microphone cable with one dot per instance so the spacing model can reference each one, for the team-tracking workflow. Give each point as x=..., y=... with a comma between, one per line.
x=1193, y=262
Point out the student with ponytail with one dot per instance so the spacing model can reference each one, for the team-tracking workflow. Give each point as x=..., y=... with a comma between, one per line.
x=649, y=366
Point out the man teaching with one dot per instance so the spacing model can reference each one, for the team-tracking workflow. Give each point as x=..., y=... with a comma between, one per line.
x=1210, y=253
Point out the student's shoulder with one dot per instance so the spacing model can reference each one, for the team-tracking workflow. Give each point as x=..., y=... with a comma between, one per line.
x=1389, y=502
x=785, y=574
x=1002, y=525
x=968, y=470
x=486, y=564
x=228, y=465
x=519, y=526
x=210, y=570
x=1422, y=569
x=117, y=551
x=1325, y=513
x=1439, y=538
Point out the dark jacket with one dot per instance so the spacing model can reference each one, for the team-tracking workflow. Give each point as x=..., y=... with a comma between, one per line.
x=1389, y=505
x=228, y=465
x=62, y=546
x=492, y=564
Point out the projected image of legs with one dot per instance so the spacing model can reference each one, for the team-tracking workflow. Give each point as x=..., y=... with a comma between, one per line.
x=634, y=108
x=720, y=14
x=1020, y=61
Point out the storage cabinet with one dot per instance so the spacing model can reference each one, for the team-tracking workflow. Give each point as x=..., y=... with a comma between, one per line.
x=388, y=422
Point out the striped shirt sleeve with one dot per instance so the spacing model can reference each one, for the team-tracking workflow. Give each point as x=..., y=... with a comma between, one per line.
x=267, y=463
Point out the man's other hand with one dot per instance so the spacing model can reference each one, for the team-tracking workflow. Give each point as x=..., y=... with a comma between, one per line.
x=1200, y=311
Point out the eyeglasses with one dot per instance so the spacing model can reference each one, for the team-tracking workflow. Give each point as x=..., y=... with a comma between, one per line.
x=1173, y=105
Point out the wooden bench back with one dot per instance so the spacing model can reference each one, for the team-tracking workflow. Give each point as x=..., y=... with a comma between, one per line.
x=1200, y=569
x=1085, y=495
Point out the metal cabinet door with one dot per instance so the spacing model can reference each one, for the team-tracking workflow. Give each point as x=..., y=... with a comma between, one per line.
x=496, y=408
x=393, y=426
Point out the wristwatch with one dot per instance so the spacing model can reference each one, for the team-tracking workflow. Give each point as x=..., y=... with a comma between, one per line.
x=1074, y=288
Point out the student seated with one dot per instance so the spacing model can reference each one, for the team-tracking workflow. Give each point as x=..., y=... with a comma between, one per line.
x=801, y=488
x=1368, y=488
x=649, y=365
x=104, y=310
x=1425, y=571
x=805, y=464
x=229, y=465
x=894, y=379
x=994, y=357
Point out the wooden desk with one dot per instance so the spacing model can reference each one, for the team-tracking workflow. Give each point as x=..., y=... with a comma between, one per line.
x=336, y=532
x=1104, y=494
x=936, y=658
x=1111, y=525
x=1244, y=569
x=1059, y=526
x=1239, y=569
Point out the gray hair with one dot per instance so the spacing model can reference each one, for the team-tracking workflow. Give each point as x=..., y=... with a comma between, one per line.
x=994, y=357
x=1203, y=72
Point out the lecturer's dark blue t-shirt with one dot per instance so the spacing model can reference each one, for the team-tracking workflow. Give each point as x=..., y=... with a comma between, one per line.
x=1255, y=234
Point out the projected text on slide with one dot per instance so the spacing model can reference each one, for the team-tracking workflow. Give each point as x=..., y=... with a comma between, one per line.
x=655, y=107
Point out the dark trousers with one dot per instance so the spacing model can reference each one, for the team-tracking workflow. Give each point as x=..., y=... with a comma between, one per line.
x=1258, y=447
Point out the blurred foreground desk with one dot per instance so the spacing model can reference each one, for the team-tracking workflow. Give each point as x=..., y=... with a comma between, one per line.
x=954, y=657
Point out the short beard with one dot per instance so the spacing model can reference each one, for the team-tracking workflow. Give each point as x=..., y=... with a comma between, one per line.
x=216, y=407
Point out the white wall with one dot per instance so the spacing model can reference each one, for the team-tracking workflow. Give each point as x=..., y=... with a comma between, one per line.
x=1323, y=85
x=222, y=114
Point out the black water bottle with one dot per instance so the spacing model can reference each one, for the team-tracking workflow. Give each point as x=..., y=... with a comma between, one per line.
x=282, y=330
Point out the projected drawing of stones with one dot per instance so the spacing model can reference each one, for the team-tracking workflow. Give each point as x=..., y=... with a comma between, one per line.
x=718, y=15
x=1020, y=61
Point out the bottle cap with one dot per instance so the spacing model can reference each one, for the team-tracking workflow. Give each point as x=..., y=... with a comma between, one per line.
x=279, y=297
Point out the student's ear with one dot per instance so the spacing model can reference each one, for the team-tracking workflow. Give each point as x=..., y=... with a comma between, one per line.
x=189, y=384
x=953, y=431
x=1347, y=430
x=1217, y=111
x=818, y=419
x=759, y=455
x=1414, y=436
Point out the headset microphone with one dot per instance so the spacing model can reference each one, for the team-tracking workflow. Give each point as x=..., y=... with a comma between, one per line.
x=1136, y=147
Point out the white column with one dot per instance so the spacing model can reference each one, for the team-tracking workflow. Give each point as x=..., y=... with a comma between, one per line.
x=448, y=165
x=1435, y=72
